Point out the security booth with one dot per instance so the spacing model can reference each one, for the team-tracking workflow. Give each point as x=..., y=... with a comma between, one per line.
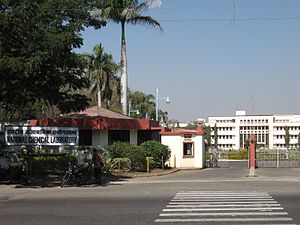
x=187, y=147
x=100, y=127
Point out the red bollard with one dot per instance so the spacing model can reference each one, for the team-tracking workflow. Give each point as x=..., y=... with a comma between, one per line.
x=252, y=156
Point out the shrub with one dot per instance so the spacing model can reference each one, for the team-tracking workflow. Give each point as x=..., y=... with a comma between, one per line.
x=157, y=151
x=38, y=165
x=120, y=163
x=241, y=154
x=134, y=153
x=118, y=149
x=138, y=158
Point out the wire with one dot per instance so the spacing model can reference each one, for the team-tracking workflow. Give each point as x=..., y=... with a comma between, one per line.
x=230, y=20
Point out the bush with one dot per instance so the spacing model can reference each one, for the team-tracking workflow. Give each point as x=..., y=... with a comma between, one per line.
x=157, y=151
x=118, y=149
x=241, y=154
x=38, y=165
x=138, y=158
x=120, y=164
x=134, y=153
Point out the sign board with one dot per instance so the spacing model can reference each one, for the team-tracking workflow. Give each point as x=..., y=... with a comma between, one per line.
x=46, y=136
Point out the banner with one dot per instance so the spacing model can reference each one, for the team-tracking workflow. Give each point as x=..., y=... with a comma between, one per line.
x=47, y=136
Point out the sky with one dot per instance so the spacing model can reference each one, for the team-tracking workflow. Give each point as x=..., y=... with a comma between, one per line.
x=213, y=56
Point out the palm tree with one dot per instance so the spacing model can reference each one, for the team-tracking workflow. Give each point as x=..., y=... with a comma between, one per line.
x=128, y=12
x=101, y=71
x=142, y=102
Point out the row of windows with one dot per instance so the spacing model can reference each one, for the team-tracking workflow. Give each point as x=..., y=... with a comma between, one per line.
x=290, y=128
x=254, y=128
x=226, y=146
x=225, y=128
x=282, y=136
x=226, y=121
x=262, y=121
x=284, y=146
x=226, y=136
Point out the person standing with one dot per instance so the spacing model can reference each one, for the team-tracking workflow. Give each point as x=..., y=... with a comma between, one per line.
x=98, y=163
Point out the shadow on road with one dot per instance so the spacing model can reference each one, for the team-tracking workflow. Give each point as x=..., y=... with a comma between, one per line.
x=55, y=179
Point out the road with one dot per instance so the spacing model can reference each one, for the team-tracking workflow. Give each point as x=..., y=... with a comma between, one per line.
x=210, y=196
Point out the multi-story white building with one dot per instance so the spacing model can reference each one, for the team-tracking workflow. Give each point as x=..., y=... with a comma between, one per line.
x=270, y=130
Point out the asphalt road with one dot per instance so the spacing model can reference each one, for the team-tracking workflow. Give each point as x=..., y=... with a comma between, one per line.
x=154, y=200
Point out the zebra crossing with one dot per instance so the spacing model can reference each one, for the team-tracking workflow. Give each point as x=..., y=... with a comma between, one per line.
x=226, y=207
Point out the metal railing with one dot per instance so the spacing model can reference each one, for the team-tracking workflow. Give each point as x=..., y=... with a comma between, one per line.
x=278, y=158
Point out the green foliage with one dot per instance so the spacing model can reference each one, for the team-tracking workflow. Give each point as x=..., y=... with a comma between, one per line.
x=118, y=149
x=215, y=136
x=144, y=103
x=120, y=164
x=238, y=154
x=208, y=131
x=134, y=153
x=287, y=137
x=38, y=165
x=137, y=154
x=122, y=12
x=37, y=61
x=102, y=75
x=157, y=151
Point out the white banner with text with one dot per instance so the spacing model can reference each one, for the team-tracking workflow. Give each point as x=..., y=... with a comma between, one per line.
x=36, y=135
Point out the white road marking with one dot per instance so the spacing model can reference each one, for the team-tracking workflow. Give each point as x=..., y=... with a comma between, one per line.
x=214, y=203
x=228, y=205
x=227, y=214
x=225, y=209
x=221, y=206
x=277, y=219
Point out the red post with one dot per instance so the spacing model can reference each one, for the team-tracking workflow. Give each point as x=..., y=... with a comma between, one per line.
x=252, y=156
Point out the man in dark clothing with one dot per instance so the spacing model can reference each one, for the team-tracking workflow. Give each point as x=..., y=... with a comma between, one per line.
x=97, y=161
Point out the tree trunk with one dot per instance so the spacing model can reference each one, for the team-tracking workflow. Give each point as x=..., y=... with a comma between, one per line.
x=124, y=79
x=99, y=93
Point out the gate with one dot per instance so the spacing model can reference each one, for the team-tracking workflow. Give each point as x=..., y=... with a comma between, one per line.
x=278, y=158
x=216, y=158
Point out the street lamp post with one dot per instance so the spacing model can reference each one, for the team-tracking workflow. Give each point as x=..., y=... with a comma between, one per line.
x=167, y=99
x=132, y=110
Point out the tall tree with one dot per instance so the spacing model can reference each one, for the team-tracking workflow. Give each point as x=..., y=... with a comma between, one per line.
x=37, y=61
x=287, y=137
x=101, y=71
x=128, y=12
x=216, y=136
x=208, y=131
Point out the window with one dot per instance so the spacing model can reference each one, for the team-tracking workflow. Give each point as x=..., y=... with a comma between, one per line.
x=118, y=135
x=188, y=149
x=85, y=137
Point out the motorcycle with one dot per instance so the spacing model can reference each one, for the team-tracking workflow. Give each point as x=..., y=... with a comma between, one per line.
x=79, y=175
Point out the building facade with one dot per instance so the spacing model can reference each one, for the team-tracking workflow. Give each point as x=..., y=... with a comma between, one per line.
x=186, y=146
x=276, y=131
x=99, y=126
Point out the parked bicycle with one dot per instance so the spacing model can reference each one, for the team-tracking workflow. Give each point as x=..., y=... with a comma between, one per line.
x=78, y=175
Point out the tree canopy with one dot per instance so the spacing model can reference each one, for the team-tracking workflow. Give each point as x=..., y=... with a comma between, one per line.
x=131, y=12
x=37, y=61
x=102, y=75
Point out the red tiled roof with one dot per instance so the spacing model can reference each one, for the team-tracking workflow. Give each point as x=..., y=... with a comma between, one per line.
x=96, y=118
x=96, y=112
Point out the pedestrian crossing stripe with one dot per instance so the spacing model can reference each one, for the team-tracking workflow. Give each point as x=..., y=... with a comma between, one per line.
x=234, y=207
x=277, y=219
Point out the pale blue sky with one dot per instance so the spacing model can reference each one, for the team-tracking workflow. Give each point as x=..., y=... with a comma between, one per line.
x=209, y=64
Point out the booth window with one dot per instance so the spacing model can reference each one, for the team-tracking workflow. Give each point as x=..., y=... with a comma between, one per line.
x=188, y=149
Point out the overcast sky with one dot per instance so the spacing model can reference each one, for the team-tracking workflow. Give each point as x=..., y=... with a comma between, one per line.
x=214, y=56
